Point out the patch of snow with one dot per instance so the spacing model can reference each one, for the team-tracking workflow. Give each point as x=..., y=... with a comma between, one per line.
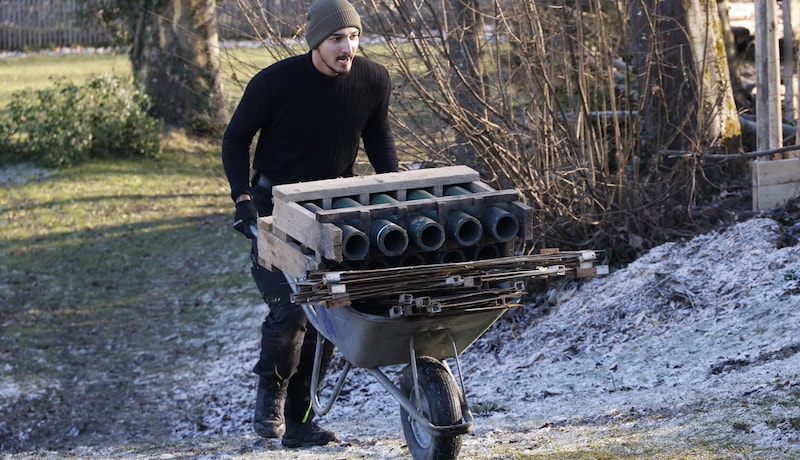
x=696, y=338
x=19, y=173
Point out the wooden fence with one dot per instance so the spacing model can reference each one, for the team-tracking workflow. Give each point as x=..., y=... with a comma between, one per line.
x=42, y=24
x=36, y=24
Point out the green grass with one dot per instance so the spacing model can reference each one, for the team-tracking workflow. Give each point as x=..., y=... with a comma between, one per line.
x=35, y=71
x=100, y=245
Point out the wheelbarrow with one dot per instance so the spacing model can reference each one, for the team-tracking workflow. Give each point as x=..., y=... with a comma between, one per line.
x=434, y=411
x=441, y=310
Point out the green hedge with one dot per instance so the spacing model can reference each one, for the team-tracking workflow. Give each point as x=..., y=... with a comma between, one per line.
x=67, y=124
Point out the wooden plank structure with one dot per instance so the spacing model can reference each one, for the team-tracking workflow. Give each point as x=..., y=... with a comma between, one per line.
x=304, y=238
x=297, y=240
x=777, y=180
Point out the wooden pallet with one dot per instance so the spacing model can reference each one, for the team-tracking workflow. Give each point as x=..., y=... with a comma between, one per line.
x=319, y=233
x=276, y=251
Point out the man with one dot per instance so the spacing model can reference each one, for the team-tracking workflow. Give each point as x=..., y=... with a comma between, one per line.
x=311, y=111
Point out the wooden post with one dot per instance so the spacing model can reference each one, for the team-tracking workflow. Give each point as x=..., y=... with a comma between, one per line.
x=791, y=64
x=787, y=57
x=768, y=129
x=778, y=180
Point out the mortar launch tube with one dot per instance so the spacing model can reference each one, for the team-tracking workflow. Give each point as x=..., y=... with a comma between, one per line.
x=409, y=260
x=449, y=257
x=465, y=229
x=390, y=238
x=491, y=251
x=355, y=243
x=426, y=233
x=499, y=223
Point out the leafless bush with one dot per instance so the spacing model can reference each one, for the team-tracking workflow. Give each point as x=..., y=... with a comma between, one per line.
x=536, y=96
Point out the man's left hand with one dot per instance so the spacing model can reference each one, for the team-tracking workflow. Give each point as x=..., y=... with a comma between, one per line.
x=246, y=218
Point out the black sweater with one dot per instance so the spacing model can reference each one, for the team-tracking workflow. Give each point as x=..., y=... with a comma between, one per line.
x=310, y=124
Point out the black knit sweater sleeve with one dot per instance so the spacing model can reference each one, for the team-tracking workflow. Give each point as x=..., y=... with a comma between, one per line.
x=248, y=118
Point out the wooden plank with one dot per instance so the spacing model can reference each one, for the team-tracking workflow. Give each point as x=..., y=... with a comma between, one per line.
x=775, y=182
x=377, y=183
x=585, y=272
x=416, y=206
x=277, y=254
x=777, y=172
x=294, y=220
x=776, y=195
x=769, y=122
x=754, y=175
x=524, y=215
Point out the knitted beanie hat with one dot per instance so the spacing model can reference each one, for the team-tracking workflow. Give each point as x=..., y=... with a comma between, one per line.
x=326, y=17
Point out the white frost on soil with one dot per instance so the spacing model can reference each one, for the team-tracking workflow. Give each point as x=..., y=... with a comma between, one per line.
x=697, y=339
x=19, y=173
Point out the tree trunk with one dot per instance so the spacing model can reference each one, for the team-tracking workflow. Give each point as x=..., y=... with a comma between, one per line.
x=734, y=65
x=679, y=54
x=181, y=67
x=463, y=42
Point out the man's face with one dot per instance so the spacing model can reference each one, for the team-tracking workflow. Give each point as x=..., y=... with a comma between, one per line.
x=334, y=56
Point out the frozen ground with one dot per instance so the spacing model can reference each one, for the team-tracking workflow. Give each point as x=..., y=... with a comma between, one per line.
x=695, y=342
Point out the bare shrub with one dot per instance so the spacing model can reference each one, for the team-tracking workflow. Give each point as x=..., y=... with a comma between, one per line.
x=536, y=96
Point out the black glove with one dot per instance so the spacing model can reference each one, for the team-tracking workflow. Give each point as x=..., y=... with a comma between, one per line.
x=246, y=218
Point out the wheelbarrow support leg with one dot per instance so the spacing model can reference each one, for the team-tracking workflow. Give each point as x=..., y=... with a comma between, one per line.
x=413, y=354
x=319, y=409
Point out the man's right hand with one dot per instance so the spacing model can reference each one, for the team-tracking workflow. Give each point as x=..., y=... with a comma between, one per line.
x=246, y=217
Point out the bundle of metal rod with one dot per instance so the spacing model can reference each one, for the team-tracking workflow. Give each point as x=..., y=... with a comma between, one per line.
x=461, y=301
x=436, y=280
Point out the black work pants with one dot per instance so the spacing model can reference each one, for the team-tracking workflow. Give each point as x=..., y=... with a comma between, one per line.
x=288, y=341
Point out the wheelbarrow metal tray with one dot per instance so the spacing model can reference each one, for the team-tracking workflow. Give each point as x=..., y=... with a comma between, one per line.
x=369, y=341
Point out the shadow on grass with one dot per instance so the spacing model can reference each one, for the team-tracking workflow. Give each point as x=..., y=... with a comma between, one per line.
x=95, y=327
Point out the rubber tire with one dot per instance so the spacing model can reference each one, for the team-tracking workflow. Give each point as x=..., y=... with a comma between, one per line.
x=440, y=404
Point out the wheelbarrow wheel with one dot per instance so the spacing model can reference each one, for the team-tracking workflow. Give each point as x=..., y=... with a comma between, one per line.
x=439, y=402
